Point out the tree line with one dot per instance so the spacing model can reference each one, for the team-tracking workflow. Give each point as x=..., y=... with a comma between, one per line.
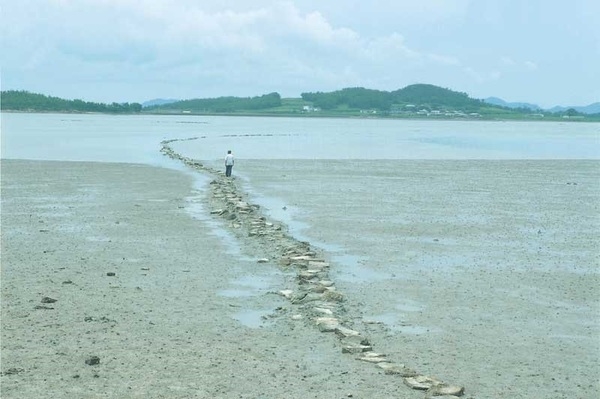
x=21, y=100
x=222, y=104
x=423, y=95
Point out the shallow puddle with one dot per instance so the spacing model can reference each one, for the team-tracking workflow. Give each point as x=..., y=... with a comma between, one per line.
x=252, y=318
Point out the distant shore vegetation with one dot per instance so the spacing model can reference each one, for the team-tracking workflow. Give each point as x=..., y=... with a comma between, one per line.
x=418, y=101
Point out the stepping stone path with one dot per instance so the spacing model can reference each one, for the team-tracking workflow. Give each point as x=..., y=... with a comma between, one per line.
x=314, y=294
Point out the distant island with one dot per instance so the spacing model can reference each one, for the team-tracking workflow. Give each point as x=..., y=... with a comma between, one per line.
x=422, y=101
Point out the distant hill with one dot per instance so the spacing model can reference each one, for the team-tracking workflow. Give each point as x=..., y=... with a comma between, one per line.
x=21, y=100
x=588, y=109
x=500, y=102
x=158, y=101
x=221, y=104
x=413, y=101
x=422, y=96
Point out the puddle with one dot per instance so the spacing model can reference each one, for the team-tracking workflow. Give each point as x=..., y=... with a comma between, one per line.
x=252, y=318
x=248, y=286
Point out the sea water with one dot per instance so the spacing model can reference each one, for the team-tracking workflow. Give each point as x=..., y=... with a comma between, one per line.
x=136, y=138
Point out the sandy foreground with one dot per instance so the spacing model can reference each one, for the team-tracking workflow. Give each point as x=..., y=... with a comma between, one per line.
x=193, y=308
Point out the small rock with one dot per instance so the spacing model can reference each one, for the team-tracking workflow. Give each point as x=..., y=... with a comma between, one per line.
x=92, y=360
x=47, y=299
x=13, y=370
x=111, y=274
x=297, y=317
x=263, y=260
x=43, y=307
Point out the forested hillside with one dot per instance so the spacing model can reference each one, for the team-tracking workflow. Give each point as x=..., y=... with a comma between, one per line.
x=20, y=100
x=222, y=104
x=414, y=101
x=418, y=95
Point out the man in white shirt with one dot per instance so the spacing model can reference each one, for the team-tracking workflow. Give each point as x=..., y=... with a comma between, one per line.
x=228, y=163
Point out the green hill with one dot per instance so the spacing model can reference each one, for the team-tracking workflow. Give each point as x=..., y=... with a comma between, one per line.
x=221, y=104
x=20, y=100
x=414, y=101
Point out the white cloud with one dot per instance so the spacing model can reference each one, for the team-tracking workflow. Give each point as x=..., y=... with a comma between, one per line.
x=507, y=61
x=532, y=66
x=222, y=47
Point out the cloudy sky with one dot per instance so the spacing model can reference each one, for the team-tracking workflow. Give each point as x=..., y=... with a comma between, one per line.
x=540, y=51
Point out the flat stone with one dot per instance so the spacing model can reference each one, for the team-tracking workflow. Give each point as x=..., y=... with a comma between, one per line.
x=333, y=296
x=303, y=257
x=326, y=283
x=372, y=357
x=317, y=264
x=397, y=369
x=306, y=297
x=327, y=324
x=356, y=348
x=307, y=274
x=297, y=317
x=445, y=389
x=346, y=332
x=47, y=299
x=286, y=293
x=421, y=382
x=242, y=205
x=324, y=311
x=263, y=260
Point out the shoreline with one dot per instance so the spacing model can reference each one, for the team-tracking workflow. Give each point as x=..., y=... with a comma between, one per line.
x=303, y=116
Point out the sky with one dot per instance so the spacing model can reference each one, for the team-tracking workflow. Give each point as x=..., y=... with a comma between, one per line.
x=545, y=52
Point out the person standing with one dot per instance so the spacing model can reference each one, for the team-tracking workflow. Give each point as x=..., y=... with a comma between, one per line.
x=228, y=163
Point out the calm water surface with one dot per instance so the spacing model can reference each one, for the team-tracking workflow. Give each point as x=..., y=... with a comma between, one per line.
x=136, y=139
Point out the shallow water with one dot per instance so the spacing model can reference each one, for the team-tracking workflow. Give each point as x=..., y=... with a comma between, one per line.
x=136, y=138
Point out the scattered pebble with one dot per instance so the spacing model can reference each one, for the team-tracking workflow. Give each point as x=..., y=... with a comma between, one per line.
x=92, y=360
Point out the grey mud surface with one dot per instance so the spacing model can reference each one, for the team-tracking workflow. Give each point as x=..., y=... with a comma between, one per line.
x=187, y=314
x=482, y=274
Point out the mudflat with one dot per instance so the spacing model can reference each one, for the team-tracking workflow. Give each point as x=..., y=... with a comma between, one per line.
x=111, y=288
x=126, y=280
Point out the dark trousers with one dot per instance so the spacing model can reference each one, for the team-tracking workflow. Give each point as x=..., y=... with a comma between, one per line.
x=228, y=170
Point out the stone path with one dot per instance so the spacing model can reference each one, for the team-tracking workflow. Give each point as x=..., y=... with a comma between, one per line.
x=315, y=298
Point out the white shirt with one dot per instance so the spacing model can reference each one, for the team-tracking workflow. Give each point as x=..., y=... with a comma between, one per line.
x=229, y=160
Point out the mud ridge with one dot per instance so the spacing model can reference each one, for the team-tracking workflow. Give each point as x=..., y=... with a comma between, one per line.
x=314, y=298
